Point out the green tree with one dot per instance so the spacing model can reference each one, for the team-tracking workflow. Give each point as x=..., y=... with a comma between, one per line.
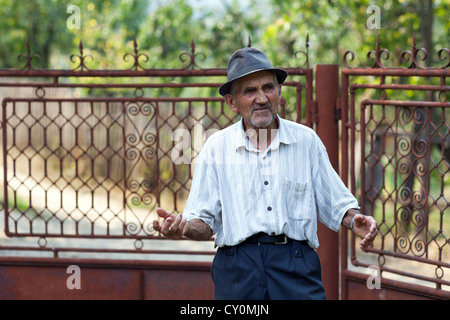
x=340, y=25
x=167, y=31
x=106, y=26
x=34, y=20
x=164, y=29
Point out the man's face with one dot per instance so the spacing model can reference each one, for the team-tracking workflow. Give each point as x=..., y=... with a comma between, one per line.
x=256, y=99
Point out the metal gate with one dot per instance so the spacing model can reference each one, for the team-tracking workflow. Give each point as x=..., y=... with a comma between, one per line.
x=395, y=158
x=88, y=156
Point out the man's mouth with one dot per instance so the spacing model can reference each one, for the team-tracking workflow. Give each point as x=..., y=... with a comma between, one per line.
x=260, y=109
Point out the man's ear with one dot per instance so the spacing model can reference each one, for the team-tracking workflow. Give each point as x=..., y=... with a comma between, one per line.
x=231, y=102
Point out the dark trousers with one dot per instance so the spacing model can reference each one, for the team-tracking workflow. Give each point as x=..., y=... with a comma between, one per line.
x=253, y=271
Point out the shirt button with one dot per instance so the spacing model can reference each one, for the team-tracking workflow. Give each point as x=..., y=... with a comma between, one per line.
x=266, y=183
x=269, y=208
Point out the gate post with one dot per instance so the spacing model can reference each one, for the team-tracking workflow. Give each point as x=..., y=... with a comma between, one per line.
x=327, y=91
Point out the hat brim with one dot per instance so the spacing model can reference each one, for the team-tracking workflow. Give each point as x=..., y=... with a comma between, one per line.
x=281, y=76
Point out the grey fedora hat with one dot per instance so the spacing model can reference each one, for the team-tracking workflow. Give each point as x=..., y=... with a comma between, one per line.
x=246, y=61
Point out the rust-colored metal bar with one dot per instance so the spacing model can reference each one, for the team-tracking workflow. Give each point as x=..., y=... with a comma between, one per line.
x=427, y=104
x=404, y=273
x=57, y=250
x=298, y=106
x=117, y=99
x=352, y=161
x=327, y=90
x=112, y=73
x=397, y=72
x=408, y=257
x=399, y=87
x=107, y=262
x=5, y=170
x=33, y=278
x=362, y=172
x=128, y=73
x=414, y=291
x=309, y=96
x=125, y=85
x=344, y=174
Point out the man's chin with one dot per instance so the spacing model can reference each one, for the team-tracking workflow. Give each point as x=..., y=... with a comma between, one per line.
x=262, y=122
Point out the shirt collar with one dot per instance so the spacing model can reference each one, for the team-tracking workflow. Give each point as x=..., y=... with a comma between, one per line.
x=284, y=135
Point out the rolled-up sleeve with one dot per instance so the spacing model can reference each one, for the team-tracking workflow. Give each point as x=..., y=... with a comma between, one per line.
x=203, y=201
x=333, y=199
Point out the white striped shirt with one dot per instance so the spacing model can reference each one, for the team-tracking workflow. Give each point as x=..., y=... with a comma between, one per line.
x=239, y=191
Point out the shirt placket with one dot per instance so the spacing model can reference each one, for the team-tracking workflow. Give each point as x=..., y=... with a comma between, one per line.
x=266, y=179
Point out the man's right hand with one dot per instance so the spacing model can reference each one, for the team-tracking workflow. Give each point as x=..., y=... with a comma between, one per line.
x=173, y=225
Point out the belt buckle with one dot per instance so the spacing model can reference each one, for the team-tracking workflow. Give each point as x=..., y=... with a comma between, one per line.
x=283, y=242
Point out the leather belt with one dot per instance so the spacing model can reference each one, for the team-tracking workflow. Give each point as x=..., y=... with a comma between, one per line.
x=265, y=238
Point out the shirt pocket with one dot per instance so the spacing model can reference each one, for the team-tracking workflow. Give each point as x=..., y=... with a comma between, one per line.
x=298, y=199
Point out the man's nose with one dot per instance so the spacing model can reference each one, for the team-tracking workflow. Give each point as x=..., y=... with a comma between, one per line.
x=261, y=97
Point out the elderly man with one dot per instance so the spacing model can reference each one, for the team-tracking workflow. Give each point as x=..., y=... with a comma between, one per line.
x=259, y=186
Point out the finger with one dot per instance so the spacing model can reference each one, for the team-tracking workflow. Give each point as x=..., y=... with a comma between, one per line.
x=368, y=239
x=363, y=244
x=163, y=213
x=181, y=227
x=360, y=219
x=174, y=226
x=373, y=227
x=166, y=225
x=156, y=225
x=183, y=223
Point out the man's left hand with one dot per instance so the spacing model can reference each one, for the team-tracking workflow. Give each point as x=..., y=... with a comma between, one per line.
x=366, y=228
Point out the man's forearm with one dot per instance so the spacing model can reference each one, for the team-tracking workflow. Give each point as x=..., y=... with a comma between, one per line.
x=197, y=229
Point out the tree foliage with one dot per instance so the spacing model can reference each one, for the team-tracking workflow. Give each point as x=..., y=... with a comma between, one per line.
x=164, y=29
